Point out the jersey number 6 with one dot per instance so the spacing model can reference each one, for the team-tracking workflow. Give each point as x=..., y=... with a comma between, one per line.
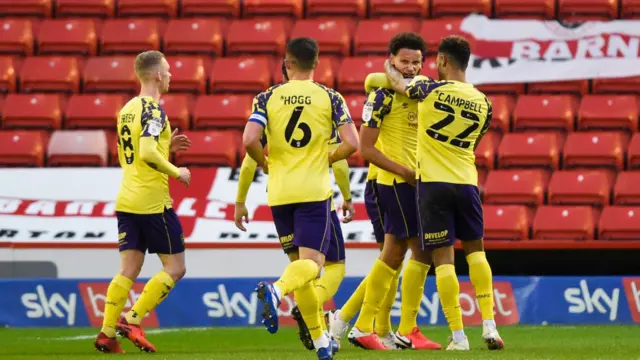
x=451, y=116
x=294, y=124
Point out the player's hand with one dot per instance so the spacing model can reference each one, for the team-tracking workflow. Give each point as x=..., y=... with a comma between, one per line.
x=409, y=176
x=185, y=176
x=241, y=213
x=348, y=211
x=265, y=166
x=179, y=142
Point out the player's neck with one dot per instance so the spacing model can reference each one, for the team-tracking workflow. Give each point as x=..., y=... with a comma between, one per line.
x=150, y=91
x=301, y=76
x=458, y=76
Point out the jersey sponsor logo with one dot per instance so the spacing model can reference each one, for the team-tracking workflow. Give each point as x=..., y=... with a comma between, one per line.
x=632, y=291
x=367, y=112
x=94, y=296
x=42, y=304
x=583, y=299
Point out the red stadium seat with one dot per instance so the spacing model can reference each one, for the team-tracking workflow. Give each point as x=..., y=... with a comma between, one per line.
x=224, y=8
x=487, y=150
x=222, y=111
x=544, y=112
x=582, y=10
x=579, y=187
x=39, y=8
x=242, y=74
x=564, y=223
x=166, y=8
x=32, y=111
x=373, y=36
x=502, y=106
x=617, y=85
x=7, y=74
x=209, y=148
x=354, y=70
x=110, y=73
x=94, y=111
x=22, y=148
x=620, y=223
x=630, y=9
x=506, y=222
x=433, y=30
x=333, y=36
x=112, y=148
x=633, y=159
x=129, y=36
x=334, y=8
x=187, y=74
x=529, y=150
x=291, y=8
x=204, y=36
x=626, y=191
x=16, y=36
x=525, y=187
x=50, y=73
x=75, y=36
x=78, y=148
x=177, y=107
x=594, y=149
x=526, y=9
x=608, y=112
x=95, y=8
x=559, y=87
x=507, y=88
x=355, y=104
x=482, y=178
x=322, y=74
x=441, y=8
x=394, y=8
x=257, y=36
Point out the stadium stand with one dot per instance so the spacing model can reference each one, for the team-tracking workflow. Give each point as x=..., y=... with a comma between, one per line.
x=561, y=160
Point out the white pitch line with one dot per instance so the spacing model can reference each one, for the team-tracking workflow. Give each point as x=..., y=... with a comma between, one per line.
x=152, y=331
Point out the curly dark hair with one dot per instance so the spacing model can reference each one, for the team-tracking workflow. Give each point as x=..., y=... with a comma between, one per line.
x=407, y=40
x=457, y=49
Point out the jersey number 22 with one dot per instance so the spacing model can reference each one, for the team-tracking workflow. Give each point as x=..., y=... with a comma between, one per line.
x=293, y=124
x=451, y=116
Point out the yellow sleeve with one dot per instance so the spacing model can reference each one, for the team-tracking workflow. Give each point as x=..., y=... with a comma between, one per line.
x=341, y=173
x=376, y=81
x=378, y=106
x=150, y=155
x=247, y=172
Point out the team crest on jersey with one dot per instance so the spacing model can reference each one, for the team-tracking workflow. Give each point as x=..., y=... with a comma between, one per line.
x=367, y=111
x=154, y=127
x=413, y=117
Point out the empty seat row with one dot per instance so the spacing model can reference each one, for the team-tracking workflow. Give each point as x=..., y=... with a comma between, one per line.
x=516, y=222
x=566, y=9
x=252, y=74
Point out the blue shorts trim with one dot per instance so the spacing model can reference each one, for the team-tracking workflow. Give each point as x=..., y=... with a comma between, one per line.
x=156, y=233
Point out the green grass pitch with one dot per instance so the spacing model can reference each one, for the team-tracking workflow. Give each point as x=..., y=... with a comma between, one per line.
x=522, y=343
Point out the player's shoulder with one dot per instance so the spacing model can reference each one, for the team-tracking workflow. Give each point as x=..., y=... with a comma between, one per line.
x=380, y=96
x=332, y=93
x=269, y=91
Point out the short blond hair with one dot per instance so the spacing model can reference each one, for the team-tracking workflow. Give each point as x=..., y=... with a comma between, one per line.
x=145, y=61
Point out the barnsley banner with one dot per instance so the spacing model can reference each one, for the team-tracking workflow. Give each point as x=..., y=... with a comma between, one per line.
x=233, y=302
x=78, y=206
x=514, y=51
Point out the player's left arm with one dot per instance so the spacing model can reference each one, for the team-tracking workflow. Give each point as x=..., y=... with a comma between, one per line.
x=251, y=138
x=344, y=125
x=153, y=124
x=487, y=123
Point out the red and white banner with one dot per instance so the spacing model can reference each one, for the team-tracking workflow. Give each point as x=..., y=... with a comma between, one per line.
x=514, y=51
x=77, y=206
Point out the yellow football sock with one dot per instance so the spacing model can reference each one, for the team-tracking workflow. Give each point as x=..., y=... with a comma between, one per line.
x=449, y=291
x=297, y=274
x=307, y=301
x=378, y=285
x=327, y=286
x=156, y=290
x=117, y=294
x=482, y=281
x=353, y=305
x=413, y=281
x=383, y=317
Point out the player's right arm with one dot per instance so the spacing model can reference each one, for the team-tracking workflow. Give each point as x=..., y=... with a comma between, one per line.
x=378, y=105
x=344, y=125
x=376, y=81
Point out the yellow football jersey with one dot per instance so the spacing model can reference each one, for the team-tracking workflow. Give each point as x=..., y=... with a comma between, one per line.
x=452, y=116
x=299, y=117
x=396, y=116
x=143, y=190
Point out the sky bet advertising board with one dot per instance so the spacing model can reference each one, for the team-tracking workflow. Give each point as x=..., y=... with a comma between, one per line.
x=232, y=302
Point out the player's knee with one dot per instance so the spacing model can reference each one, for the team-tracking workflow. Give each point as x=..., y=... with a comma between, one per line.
x=443, y=256
x=393, y=256
x=425, y=257
x=472, y=246
x=176, y=271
